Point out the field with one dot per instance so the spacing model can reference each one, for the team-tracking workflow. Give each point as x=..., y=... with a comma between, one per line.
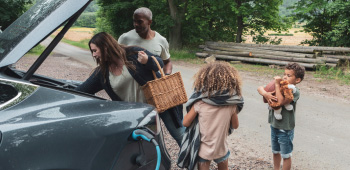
x=78, y=34
x=287, y=40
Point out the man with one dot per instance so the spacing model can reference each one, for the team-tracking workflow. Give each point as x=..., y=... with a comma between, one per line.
x=147, y=38
x=152, y=41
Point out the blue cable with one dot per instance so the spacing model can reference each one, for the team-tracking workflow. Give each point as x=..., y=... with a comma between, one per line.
x=158, y=156
x=139, y=133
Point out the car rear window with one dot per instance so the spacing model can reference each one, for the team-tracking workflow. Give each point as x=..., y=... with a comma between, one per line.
x=7, y=92
x=19, y=29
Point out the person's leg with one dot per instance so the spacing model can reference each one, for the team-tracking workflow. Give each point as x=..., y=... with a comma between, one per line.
x=176, y=133
x=223, y=165
x=286, y=143
x=275, y=148
x=287, y=163
x=203, y=164
x=223, y=162
x=276, y=161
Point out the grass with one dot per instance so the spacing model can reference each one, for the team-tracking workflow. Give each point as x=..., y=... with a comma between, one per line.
x=82, y=44
x=187, y=55
x=281, y=34
x=340, y=74
x=37, y=50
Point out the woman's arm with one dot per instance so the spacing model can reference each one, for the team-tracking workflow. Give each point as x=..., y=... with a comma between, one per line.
x=92, y=85
x=189, y=117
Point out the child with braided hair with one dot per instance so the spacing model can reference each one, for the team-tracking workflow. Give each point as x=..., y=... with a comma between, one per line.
x=216, y=101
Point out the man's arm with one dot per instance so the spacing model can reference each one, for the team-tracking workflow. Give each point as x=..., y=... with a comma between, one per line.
x=168, y=66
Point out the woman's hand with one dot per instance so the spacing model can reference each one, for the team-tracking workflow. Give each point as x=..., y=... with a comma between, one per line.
x=142, y=57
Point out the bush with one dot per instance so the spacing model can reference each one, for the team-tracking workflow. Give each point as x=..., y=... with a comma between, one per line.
x=86, y=19
x=281, y=34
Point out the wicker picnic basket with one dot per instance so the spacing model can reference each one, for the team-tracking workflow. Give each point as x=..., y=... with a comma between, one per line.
x=165, y=92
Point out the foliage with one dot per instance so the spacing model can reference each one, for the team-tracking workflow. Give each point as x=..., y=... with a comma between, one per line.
x=86, y=19
x=37, y=50
x=10, y=10
x=92, y=7
x=208, y=20
x=326, y=20
x=284, y=8
x=333, y=73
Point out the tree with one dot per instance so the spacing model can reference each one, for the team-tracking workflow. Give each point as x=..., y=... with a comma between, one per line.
x=10, y=10
x=189, y=22
x=256, y=17
x=326, y=20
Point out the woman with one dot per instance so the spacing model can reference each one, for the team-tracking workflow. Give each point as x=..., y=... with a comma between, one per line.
x=120, y=71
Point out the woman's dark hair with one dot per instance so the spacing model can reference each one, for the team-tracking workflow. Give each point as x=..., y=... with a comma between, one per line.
x=111, y=51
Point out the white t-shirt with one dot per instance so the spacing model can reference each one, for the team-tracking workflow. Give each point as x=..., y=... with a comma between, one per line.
x=126, y=87
x=158, y=45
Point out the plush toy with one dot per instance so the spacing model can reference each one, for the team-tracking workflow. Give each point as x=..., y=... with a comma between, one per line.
x=287, y=91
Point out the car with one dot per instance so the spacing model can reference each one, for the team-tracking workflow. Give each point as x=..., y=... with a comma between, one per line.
x=46, y=124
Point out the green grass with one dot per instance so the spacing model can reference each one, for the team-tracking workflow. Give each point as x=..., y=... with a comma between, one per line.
x=187, y=55
x=340, y=74
x=37, y=50
x=82, y=44
x=281, y=34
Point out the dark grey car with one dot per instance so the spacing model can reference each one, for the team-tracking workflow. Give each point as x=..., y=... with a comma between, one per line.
x=45, y=124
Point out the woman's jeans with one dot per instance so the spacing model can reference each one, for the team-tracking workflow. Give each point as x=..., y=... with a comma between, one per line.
x=176, y=133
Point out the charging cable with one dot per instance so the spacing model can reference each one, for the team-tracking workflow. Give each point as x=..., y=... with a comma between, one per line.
x=142, y=134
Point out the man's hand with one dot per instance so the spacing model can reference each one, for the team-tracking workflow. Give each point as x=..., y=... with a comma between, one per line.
x=168, y=67
x=142, y=57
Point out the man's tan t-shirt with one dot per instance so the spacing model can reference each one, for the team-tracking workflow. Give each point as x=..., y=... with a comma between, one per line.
x=157, y=45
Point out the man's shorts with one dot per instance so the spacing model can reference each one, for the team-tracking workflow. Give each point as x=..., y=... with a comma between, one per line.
x=224, y=158
x=282, y=142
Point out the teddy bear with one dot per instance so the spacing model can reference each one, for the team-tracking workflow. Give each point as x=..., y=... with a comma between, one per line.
x=287, y=91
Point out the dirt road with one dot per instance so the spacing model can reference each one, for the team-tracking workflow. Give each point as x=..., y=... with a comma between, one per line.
x=322, y=122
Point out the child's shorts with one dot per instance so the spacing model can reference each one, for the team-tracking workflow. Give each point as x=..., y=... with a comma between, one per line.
x=282, y=142
x=224, y=158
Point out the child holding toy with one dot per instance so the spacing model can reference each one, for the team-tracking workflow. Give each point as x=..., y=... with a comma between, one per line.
x=216, y=100
x=287, y=91
x=282, y=131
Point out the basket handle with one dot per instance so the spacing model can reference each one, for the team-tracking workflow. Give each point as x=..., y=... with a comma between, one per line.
x=160, y=68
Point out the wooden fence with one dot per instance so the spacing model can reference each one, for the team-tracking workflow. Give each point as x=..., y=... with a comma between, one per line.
x=307, y=56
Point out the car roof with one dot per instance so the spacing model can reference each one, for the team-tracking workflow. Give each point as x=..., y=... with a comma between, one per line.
x=35, y=25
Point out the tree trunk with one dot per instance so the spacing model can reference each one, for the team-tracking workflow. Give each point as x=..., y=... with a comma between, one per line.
x=177, y=14
x=239, y=24
x=267, y=61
